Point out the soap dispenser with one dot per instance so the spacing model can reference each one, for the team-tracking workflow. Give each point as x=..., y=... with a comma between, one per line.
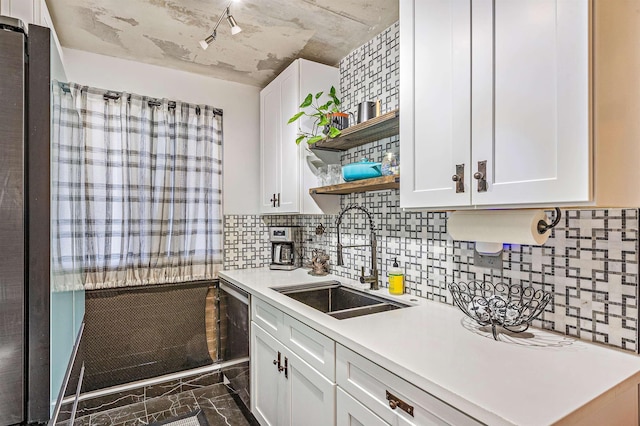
x=396, y=279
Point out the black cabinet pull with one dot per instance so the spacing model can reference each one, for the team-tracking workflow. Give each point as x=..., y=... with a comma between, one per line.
x=277, y=362
x=286, y=367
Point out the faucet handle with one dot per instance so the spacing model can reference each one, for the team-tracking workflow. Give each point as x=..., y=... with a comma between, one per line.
x=363, y=277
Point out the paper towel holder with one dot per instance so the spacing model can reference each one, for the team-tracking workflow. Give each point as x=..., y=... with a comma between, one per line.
x=544, y=226
x=489, y=254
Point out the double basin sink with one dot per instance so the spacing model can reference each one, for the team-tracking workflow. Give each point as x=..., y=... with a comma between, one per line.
x=339, y=301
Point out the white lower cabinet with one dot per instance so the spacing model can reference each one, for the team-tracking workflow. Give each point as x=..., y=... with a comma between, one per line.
x=313, y=347
x=394, y=400
x=312, y=397
x=350, y=412
x=285, y=390
x=267, y=393
x=299, y=376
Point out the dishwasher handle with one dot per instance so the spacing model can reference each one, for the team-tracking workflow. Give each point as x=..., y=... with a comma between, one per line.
x=235, y=291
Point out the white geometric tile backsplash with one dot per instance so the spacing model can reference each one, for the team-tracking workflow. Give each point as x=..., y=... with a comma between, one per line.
x=589, y=264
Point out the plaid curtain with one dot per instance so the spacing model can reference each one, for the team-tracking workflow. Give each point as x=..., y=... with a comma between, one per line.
x=67, y=176
x=143, y=190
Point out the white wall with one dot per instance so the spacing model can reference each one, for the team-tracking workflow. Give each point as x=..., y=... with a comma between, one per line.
x=240, y=103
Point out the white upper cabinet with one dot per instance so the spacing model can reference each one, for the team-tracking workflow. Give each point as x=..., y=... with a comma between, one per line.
x=435, y=88
x=279, y=181
x=495, y=91
x=285, y=175
x=530, y=101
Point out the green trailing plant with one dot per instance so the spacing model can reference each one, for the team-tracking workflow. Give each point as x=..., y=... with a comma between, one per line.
x=321, y=116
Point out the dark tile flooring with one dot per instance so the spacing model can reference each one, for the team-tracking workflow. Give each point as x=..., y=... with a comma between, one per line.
x=143, y=406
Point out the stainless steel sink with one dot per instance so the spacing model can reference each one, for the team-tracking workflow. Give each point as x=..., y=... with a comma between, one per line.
x=339, y=301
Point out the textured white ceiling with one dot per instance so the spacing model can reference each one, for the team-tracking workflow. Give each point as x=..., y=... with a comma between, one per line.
x=275, y=32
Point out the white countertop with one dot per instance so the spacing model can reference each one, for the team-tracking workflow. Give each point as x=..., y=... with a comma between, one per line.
x=523, y=381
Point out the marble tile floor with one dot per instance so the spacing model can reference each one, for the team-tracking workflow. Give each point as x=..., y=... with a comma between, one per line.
x=216, y=402
x=220, y=403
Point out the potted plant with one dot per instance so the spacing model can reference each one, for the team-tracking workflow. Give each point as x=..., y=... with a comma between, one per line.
x=327, y=118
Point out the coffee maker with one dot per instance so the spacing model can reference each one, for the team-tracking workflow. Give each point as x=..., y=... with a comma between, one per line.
x=286, y=247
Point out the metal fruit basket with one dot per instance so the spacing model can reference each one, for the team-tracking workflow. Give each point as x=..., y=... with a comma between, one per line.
x=511, y=307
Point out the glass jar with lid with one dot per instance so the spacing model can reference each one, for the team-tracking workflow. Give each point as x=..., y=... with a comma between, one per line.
x=390, y=164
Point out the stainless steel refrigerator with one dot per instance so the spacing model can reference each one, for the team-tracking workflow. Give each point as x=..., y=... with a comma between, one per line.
x=24, y=222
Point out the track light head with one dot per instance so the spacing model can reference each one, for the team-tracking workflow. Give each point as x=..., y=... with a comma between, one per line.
x=207, y=41
x=235, y=28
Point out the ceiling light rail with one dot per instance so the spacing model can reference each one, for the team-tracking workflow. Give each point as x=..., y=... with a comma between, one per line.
x=235, y=28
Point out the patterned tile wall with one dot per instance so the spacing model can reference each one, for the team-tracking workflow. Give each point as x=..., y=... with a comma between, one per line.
x=246, y=242
x=590, y=262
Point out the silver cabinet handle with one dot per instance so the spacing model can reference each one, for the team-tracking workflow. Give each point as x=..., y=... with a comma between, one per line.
x=481, y=176
x=395, y=402
x=458, y=178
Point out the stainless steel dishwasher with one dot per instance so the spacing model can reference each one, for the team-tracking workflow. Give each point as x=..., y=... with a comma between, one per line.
x=233, y=336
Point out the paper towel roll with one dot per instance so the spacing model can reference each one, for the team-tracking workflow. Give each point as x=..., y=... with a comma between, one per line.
x=498, y=226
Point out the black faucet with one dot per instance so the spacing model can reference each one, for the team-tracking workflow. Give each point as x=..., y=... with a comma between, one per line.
x=372, y=278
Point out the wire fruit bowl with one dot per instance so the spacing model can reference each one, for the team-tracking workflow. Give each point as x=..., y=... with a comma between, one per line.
x=511, y=307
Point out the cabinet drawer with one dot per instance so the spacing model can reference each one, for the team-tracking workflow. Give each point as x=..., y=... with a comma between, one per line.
x=350, y=412
x=369, y=383
x=313, y=347
x=269, y=318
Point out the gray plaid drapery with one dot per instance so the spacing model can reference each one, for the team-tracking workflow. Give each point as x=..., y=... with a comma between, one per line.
x=136, y=190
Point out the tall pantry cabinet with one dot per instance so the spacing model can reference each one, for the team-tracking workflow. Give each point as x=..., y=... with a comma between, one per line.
x=285, y=172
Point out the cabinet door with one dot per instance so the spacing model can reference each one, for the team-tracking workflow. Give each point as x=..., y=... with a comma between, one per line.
x=435, y=94
x=311, y=396
x=530, y=100
x=289, y=179
x=270, y=118
x=279, y=164
x=267, y=392
x=350, y=412
x=295, y=395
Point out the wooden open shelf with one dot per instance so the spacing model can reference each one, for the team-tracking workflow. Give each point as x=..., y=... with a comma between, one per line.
x=364, y=185
x=371, y=130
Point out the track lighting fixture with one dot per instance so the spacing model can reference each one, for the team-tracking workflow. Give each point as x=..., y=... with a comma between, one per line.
x=207, y=41
x=235, y=28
